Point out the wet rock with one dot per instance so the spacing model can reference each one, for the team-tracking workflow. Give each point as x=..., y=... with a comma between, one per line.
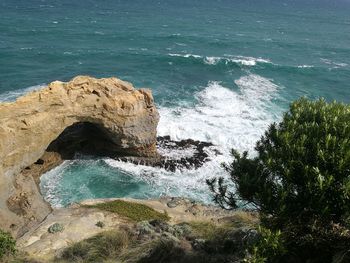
x=176, y=155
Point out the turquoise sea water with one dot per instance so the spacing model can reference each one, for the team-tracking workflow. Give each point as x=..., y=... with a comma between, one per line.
x=220, y=71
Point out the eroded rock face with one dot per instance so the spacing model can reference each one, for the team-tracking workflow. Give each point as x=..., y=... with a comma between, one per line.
x=49, y=125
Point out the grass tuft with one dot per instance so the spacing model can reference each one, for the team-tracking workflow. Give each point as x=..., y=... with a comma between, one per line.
x=97, y=248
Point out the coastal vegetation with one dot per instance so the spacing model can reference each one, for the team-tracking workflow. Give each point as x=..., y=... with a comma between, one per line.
x=299, y=182
x=158, y=241
x=133, y=211
x=7, y=244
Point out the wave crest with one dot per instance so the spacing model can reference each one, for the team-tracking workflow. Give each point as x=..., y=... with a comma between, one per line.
x=238, y=60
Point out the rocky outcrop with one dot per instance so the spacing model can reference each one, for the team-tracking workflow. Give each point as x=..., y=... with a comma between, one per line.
x=176, y=155
x=44, y=127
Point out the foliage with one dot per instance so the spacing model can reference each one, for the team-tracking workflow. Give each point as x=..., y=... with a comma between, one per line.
x=300, y=178
x=209, y=230
x=268, y=248
x=134, y=211
x=7, y=244
x=55, y=228
x=100, y=247
x=206, y=230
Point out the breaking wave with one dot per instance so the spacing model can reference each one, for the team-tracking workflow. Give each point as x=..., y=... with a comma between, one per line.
x=239, y=60
x=223, y=116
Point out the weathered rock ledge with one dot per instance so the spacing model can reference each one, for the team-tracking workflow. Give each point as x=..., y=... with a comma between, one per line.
x=79, y=222
x=50, y=125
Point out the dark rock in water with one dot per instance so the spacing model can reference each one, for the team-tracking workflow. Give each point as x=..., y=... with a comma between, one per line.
x=184, y=154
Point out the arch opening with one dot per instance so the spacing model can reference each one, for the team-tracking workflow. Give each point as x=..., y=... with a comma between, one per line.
x=86, y=138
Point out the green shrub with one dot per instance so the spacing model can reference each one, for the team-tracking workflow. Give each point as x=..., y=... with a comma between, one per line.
x=55, y=228
x=7, y=244
x=299, y=179
x=268, y=248
x=134, y=211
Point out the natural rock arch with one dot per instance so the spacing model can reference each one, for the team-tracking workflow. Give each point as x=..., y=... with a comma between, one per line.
x=124, y=119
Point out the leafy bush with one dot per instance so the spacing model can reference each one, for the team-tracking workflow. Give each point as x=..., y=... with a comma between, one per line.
x=134, y=211
x=268, y=248
x=7, y=244
x=300, y=178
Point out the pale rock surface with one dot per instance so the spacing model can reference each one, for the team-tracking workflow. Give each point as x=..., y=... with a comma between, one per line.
x=127, y=117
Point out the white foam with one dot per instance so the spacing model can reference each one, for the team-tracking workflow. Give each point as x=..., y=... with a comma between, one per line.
x=14, y=94
x=305, y=66
x=184, y=55
x=49, y=183
x=245, y=61
x=223, y=116
x=185, y=183
x=333, y=63
x=241, y=60
x=177, y=153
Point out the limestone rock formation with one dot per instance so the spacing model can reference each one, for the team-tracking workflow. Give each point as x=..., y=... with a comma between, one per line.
x=46, y=126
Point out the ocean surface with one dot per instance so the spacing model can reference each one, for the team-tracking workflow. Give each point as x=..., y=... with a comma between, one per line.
x=220, y=71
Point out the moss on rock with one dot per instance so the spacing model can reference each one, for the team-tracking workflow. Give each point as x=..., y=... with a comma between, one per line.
x=134, y=211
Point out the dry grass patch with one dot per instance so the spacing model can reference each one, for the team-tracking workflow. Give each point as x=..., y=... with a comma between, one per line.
x=97, y=248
